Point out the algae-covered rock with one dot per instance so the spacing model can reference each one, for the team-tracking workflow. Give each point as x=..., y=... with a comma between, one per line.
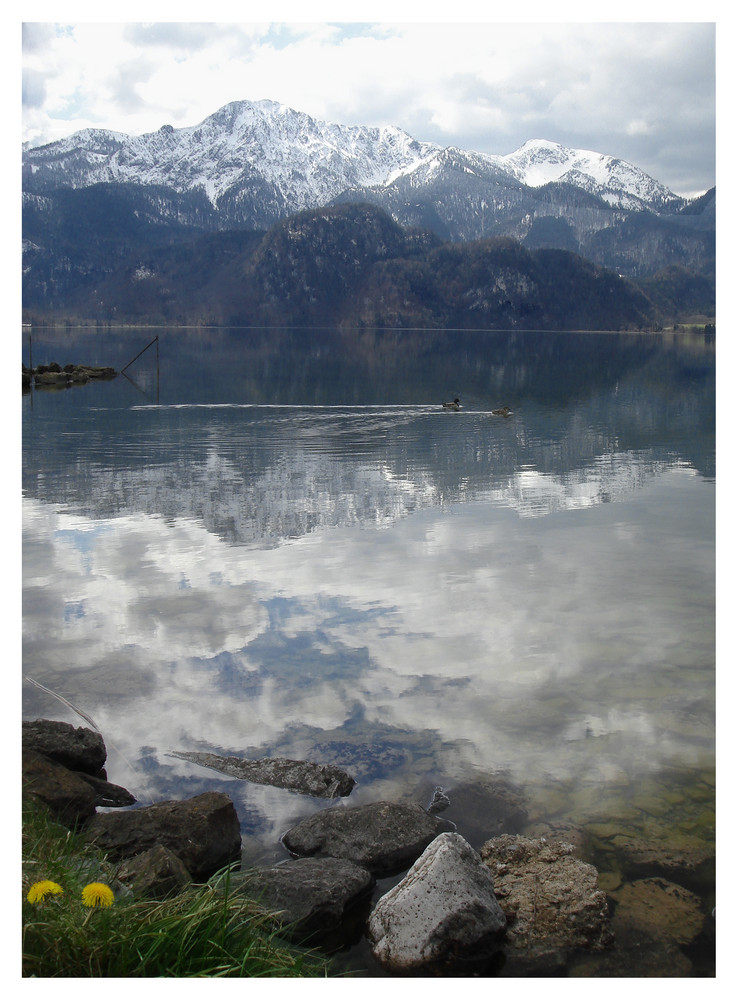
x=660, y=907
x=687, y=861
x=552, y=900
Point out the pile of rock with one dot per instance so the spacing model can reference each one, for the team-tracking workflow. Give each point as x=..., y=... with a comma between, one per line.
x=517, y=903
x=162, y=847
x=55, y=375
x=63, y=767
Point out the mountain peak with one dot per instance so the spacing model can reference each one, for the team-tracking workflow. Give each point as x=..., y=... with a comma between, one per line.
x=288, y=161
x=621, y=184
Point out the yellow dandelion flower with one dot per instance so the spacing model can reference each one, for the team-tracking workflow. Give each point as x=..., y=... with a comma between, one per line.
x=97, y=894
x=40, y=890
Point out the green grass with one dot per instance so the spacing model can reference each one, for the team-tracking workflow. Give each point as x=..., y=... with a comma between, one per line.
x=203, y=931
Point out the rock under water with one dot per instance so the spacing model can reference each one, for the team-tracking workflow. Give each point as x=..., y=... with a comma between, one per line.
x=321, y=780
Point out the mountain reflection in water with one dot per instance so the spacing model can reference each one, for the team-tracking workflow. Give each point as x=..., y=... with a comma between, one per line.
x=286, y=547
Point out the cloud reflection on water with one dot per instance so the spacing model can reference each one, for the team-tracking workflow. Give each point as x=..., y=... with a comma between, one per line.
x=309, y=558
x=544, y=646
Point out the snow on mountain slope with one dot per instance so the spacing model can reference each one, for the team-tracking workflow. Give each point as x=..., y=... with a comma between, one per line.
x=540, y=161
x=299, y=162
x=307, y=161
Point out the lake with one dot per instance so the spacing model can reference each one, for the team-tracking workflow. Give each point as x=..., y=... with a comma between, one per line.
x=278, y=543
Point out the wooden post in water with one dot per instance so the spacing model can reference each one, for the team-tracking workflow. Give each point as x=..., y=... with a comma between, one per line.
x=154, y=341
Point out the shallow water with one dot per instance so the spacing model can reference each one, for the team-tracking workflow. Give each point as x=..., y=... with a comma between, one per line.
x=279, y=544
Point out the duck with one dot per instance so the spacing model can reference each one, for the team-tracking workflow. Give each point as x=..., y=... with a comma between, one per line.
x=504, y=411
x=452, y=406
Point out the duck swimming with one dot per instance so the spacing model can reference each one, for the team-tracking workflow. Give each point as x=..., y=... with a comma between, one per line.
x=452, y=406
x=504, y=411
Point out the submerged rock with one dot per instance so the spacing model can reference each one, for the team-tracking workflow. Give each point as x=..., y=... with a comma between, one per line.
x=204, y=832
x=383, y=837
x=690, y=863
x=487, y=806
x=442, y=914
x=661, y=908
x=310, y=896
x=321, y=780
x=552, y=901
x=653, y=922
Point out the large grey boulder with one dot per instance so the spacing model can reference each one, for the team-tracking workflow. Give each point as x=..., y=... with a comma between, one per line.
x=321, y=780
x=204, y=832
x=552, y=901
x=79, y=749
x=383, y=837
x=310, y=896
x=442, y=914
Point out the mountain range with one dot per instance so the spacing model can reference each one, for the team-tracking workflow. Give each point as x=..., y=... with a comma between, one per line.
x=100, y=203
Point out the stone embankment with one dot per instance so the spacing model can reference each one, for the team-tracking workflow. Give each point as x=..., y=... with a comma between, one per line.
x=53, y=375
x=520, y=906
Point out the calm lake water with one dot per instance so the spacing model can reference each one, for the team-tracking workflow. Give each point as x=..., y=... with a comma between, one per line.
x=280, y=544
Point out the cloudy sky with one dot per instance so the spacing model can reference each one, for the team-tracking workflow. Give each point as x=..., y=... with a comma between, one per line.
x=643, y=91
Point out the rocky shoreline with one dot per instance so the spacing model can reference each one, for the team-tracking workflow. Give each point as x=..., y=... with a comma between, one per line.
x=520, y=906
x=54, y=376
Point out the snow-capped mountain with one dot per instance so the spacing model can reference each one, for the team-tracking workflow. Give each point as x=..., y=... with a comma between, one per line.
x=296, y=161
x=617, y=182
x=104, y=209
x=260, y=161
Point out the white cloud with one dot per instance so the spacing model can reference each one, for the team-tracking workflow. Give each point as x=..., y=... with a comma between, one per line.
x=485, y=86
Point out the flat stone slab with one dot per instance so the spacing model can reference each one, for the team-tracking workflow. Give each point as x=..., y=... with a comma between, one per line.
x=310, y=896
x=320, y=780
x=383, y=837
x=442, y=914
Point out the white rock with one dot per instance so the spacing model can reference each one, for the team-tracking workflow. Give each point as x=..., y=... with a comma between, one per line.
x=444, y=909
